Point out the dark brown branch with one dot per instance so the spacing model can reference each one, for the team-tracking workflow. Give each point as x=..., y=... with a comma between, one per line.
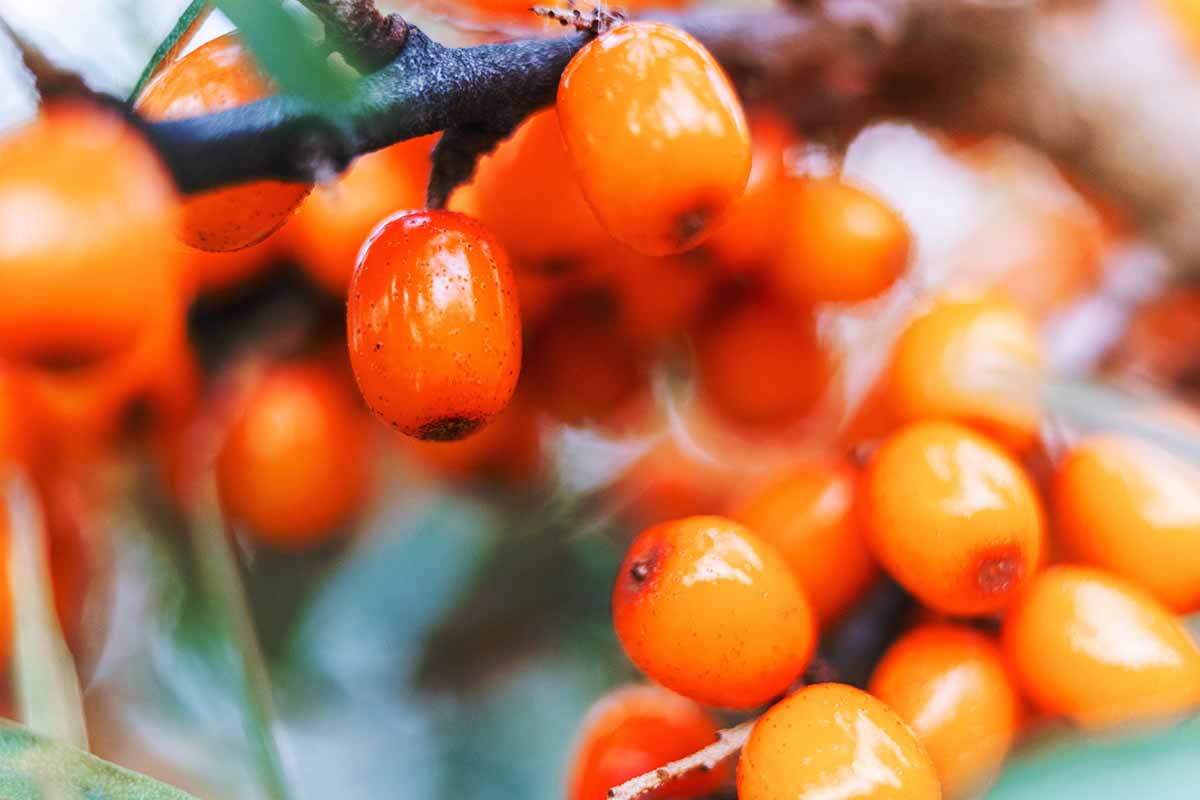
x=367, y=39
x=49, y=79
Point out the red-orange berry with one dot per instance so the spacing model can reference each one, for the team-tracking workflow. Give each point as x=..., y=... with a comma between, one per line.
x=709, y=610
x=834, y=741
x=86, y=257
x=950, y=684
x=1097, y=649
x=952, y=517
x=433, y=326
x=637, y=729
x=656, y=133
x=808, y=513
x=837, y=243
x=293, y=466
x=1134, y=509
x=219, y=75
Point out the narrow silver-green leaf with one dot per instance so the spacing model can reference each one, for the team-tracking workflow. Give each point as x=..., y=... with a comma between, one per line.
x=177, y=38
x=33, y=767
x=47, y=685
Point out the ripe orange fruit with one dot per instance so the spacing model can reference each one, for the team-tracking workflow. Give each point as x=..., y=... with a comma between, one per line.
x=709, y=610
x=293, y=465
x=333, y=222
x=977, y=361
x=834, y=741
x=950, y=684
x=433, y=326
x=658, y=179
x=86, y=253
x=636, y=729
x=210, y=271
x=657, y=298
x=761, y=364
x=836, y=243
x=219, y=75
x=1133, y=508
x=808, y=513
x=1099, y=650
x=952, y=517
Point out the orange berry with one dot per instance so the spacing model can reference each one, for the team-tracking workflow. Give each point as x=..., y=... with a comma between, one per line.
x=834, y=741
x=836, y=243
x=950, y=684
x=762, y=364
x=293, y=465
x=952, y=517
x=435, y=335
x=657, y=298
x=1133, y=508
x=210, y=271
x=808, y=513
x=217, y=76
x=1097, y=649
x=527, y=194
x=334, y=221
x=656, y=133
x=636, y=729
x=506, y=450
x=86, y=254
x=975, y=361
x=709, y=610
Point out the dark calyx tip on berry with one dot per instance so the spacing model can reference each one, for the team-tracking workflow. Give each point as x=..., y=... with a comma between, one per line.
x=449, y=429
x=690, y=224
x=999, y=572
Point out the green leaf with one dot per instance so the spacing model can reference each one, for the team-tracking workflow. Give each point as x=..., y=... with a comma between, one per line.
x=36, y=768
x=47, y=686
x=276, y=37
x=180, y=34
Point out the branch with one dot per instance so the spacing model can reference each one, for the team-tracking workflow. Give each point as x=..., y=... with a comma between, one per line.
x=728, y=743
x=367, y=39
x=49, y=79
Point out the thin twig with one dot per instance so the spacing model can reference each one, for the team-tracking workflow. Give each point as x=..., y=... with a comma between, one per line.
x=49, y=79
x=367, y=39
x=728, y=743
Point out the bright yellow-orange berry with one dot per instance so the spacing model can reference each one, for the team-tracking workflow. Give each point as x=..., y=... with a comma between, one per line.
x=952, y=517
x=434, y=330
x=1134, y=509
x=808, y=513
x=709, y=610
x=837, y=243
x=950, y=684
x=86, y=251
x=977, y=361
x=637, y=729
x=656, y=133
x=1097, y=649
x=834, y=741
x=217, y=76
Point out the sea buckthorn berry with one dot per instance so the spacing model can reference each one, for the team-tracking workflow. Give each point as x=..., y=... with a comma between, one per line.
x=333, y=222
x=977, y=361
x=1100, y=651
x=86, y=251
x=214, y=272
x=293, y=465
x=217, y=76
x=637, y=729
x=952, y=517
x=656, y=133
x=526, y=194
x=435, y=335
x=950, y=684
x=837, y=243
x=709, y=610
x=762, y=364
x=808, y=513
x=1133, y=508
x=657, y=298
x=834, y=741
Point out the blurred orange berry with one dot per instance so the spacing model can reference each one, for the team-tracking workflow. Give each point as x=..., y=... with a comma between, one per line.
x=210, y=271
x=657, y=298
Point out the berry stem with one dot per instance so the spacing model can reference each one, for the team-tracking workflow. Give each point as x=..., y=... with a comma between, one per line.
x=729, y=742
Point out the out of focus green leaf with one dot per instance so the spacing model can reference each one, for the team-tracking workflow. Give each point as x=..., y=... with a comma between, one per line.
x=35, y=768
x=1163, y=765
x=192, y=18
x=277, y=39
x=47, y=685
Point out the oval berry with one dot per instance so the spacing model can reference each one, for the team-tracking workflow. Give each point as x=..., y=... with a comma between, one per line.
x=709, y=610
x=952, y=517
x=433, y=326
x=834, y=741
x=1099, y=650
x=656, y=133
